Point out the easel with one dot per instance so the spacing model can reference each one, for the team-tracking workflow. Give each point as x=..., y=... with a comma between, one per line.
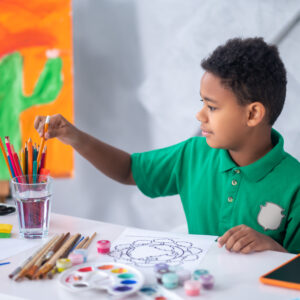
x=4, y=191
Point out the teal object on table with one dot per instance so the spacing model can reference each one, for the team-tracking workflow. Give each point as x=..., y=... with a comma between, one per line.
x=170, y=280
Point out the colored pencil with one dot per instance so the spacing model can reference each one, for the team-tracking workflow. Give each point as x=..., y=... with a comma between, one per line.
x=23, y=161
x=34, y=171
x=43, y=159
x=11, y=167
x=26, y=159
x=16, y=160
x=17, y=163
x=10, y=155
x=5, y=158
x=43, y=140
x=30, y=156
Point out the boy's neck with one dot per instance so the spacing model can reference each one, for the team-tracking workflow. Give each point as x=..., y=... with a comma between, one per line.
x=258, y=144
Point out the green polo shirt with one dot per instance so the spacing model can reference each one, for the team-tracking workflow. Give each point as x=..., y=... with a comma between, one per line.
x=217, y=194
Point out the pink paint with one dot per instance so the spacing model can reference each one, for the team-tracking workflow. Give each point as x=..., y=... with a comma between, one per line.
x=192, y=287
x=103, y=246
x=76, y=258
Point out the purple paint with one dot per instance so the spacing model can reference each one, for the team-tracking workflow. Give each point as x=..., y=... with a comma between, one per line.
x=122, y=288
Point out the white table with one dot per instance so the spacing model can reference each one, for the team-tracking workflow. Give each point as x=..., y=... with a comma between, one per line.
x=236, y=275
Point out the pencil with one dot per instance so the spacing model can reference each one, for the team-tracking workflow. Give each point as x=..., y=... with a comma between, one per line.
x=43, y=160
x=26, y=159
x=17, y=163
x=43, y=141
x=11, y=167
x=30, y=159
x=40, y=252
x=23, y=161
x=34, y=171
x=10, y=155
x=89, y=241
x=5, y=157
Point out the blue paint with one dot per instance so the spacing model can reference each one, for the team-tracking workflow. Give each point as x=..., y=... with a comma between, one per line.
x=5, y=263
x=128, y=281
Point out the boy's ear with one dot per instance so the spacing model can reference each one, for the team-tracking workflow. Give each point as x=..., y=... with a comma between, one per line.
x=256, y=113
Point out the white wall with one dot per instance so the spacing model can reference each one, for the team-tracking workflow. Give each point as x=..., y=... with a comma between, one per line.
x=137, y=74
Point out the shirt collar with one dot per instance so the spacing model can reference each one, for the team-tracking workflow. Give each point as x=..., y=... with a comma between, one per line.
x=262, y=166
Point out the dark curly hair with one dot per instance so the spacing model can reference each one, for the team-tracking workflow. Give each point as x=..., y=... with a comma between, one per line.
x=253, y=70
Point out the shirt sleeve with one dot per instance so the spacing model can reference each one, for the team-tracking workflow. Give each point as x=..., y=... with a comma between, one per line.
x=156, y=172
x=291, y=240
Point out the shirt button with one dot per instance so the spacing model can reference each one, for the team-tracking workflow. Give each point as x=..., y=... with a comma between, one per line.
x=237, y=171
x=234, y=182
x=230, y=199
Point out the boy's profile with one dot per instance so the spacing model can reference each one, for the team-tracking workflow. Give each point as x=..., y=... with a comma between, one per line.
x=236, y=181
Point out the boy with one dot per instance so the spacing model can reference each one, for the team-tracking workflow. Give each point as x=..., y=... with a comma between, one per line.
x=236, y=181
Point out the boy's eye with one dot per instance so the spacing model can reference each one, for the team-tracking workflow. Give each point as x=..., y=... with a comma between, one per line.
x=211, y=108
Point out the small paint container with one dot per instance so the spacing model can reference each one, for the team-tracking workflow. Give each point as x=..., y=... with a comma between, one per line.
x=199, y=272
x=183, y=275
x=161, y=266
x=63, y=264
x=170, y=280
x=103, y=246
x=159, y=274
x=207, y=281
x=76, y=258
x=192, y=287
x=83, y=252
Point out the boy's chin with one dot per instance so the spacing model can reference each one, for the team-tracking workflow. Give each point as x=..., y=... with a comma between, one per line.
x=214, y=144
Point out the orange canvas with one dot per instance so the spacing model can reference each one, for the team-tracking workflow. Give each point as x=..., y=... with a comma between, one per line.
x=36, y=76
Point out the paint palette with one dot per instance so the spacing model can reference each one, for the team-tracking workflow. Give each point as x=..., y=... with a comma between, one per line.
x=117, y=279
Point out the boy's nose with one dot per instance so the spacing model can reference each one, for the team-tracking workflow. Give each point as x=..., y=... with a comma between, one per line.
x=200, y=116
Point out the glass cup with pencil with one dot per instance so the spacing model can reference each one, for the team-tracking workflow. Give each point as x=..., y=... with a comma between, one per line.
x=31, y=187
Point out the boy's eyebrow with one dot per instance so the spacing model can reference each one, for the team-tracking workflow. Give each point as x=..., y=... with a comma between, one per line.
x=208, y=99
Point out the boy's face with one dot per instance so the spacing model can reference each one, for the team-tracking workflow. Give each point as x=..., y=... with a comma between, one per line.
x=223, y=119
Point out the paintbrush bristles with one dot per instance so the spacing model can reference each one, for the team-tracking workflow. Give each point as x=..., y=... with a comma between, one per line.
x=33, y=260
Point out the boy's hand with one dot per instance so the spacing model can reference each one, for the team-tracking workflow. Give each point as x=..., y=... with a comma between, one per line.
x=58, y=127
x=244, y=239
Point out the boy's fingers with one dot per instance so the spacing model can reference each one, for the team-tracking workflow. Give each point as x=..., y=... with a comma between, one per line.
x=38, y=120
x=51, y=133
x=241, y=243
x=249, y=248
x=223, y=239
x=235, y=239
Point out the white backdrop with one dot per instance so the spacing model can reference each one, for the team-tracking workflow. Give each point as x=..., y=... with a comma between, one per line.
x=137, y=75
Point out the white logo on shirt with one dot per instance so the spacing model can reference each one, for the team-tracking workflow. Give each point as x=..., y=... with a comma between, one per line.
x=270, y=216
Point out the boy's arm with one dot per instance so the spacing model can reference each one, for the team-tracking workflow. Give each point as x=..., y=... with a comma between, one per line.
x=244, y=239
x=111, y=161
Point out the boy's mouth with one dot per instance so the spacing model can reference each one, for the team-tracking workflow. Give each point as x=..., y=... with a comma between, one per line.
x=205, y=132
